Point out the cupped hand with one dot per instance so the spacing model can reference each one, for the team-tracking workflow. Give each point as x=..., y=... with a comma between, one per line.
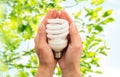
x=47, y=62
x=70, y=60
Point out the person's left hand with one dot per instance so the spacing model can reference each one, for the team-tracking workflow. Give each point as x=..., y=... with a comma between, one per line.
x=47, y=62
x=70, y=61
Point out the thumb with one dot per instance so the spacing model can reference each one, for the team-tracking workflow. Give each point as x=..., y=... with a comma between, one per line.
x=42, y=33
x=74, y=34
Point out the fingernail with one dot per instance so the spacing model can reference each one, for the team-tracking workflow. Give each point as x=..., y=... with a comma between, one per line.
x=41, y=26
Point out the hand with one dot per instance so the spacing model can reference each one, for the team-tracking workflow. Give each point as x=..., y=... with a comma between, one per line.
x=69, y=62
x=47, y=63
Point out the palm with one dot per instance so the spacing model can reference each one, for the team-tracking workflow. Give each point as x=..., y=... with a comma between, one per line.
x=44, y=51
x=49, y=55
x=67, y=58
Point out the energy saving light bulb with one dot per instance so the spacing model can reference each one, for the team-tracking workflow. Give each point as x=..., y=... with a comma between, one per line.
x=57, y=31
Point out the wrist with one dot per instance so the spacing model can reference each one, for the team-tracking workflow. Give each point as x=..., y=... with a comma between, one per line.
x=44, y=72
x=71, y=72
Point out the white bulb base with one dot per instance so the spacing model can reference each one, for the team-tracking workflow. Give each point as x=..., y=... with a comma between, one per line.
x=57, y=55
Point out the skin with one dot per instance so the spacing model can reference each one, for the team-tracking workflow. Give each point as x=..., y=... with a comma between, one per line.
x=69, y=62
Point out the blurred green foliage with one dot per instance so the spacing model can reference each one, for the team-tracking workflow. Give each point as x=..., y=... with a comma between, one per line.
x=19, y=21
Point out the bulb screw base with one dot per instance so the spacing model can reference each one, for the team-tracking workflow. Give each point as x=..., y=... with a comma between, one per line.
x=57, y=55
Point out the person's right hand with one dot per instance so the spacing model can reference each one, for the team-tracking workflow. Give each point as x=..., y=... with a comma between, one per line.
x=69, y=62
x=47, y=62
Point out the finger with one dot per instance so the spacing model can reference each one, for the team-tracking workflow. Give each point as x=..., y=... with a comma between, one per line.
x=55, y=14
x=48, y=16
x=52, y=14
x=42, y=33
x=64, y=15
x=74, y=34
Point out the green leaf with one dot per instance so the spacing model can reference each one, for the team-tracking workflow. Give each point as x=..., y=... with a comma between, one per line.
x=77, y=14
x=98, y=71
x=96, y=59
x=94, y=16
x=58, y=71
x=99, y=28
x=22, y=28
x=3, y=66
x=103, y=52
x=108, y=20
x=89, y=11
x=91, y=54
x=33, y=72
x=89, y=28
x=98, y=39
x=22, y=74
x=51, y=5
x=98, y=9
x=93, y=44
x=83, y=69
x=8, y=75
x=107, y=13
x=97, y=2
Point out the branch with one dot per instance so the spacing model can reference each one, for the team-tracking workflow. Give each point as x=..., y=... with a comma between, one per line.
x=31, y=51
x=71, y=5
x=20, y=65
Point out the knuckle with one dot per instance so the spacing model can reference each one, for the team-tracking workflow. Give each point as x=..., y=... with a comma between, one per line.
x=77, y=46
x=42, y=46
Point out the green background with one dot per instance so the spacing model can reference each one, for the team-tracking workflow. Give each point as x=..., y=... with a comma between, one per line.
x=20, y=19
